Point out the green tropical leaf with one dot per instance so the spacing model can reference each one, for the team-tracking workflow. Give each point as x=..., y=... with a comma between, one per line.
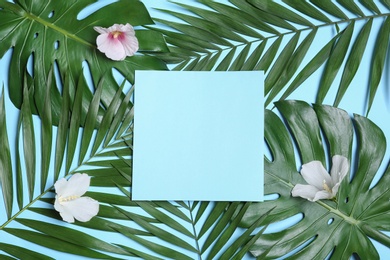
x=338, y=228
x=5, y=161
x=47, y=33
x=95, y=121
x=287, y=65
x=106, y=157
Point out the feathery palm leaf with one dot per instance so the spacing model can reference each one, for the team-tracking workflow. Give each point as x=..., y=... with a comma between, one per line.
x=279, y=39
x=49, y=32
x=163, y=229
x=361, y=210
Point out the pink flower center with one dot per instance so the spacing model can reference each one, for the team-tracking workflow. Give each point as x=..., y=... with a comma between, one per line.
x=116, y=34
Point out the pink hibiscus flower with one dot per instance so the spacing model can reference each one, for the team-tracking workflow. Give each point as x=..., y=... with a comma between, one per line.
x=117, y=41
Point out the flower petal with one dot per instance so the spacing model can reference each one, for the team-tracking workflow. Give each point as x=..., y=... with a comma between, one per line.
x=128, y=29
x=322, y=194
x=315, y=174
x=304, y=191
x=130, y=45
x=101, y=29
x=335, y=189
x=111, y=47
x=82, y=209
x=340, y=168
x=77, y=185
x=60, y=186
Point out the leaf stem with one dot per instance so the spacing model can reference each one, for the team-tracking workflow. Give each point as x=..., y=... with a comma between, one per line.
x=56, y=28
x=24, y=208
x=195, y=233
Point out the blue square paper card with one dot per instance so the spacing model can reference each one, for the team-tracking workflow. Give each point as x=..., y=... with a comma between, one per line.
x=198, y=136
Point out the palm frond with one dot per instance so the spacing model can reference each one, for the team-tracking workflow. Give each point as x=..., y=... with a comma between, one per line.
x=252, y=34
x=163, y=229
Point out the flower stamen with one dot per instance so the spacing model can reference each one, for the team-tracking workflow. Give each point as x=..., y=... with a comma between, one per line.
x=326, y=187
x=69, y=198
x=116, y=34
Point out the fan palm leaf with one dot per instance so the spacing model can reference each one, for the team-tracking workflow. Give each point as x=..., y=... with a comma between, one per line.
x=278, y=38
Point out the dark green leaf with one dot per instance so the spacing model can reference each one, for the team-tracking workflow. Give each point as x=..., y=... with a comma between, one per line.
x=22, y=253
x=370, y=5
x=353, y=61
x=56, y=244
x=164, y=218
x=107, y=119
x=63, y=126
x=223, y=21
x=74, y=126
x=42, y=31
x=28, y=140
x=351, y=6
x=378, y=60
x=5, y=161
x=71, y=236
x=162, y=250
x=46, y=131
x=308, y=9
x=334, y=62
x=281, y=11
x=162, y=234
x=291, y=66
x=310, y=68
x=330, y=7
x=346, y=223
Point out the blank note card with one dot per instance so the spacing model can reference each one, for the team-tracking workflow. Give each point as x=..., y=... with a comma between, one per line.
x=198, y=136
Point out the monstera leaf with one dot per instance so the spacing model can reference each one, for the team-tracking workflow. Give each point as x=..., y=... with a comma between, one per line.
x=337, y=228
x=42, y=33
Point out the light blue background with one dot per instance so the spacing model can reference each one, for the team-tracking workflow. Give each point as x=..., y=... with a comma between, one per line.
x=354, y=102
x=198, y=136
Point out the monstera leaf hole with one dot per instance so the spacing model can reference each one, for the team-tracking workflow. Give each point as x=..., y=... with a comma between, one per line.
x=284, y=224
x=30, y=67
x=56, y=45
x=267, y=151
x=51, y=14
